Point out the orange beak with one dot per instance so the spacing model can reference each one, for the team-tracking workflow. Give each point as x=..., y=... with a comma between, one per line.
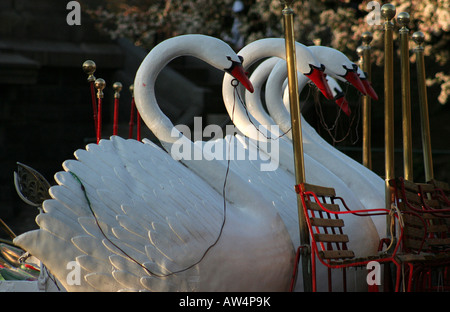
x=370, y=91
x=341, y=101
x=317, y=76
x=353, y=78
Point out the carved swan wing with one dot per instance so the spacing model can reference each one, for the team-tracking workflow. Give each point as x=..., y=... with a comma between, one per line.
x=124, y=226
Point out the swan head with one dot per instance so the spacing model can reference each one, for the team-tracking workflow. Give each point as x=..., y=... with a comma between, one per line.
x=338, y=65
x=219, y=55
x=318, y=77
x=367, y=85
x=312, y=68
x=237, y=71
x=352, y=77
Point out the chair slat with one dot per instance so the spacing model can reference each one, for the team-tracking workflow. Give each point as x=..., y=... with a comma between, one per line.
x=438, y=242
x=413, y=244
x=327, y=222
x=336, y=254
x=316, y=207
x=331, y=238
x=417, y=233
x=320, y=190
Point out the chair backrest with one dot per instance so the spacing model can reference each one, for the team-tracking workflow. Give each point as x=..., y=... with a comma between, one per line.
x=424, y=229
x=326, y=228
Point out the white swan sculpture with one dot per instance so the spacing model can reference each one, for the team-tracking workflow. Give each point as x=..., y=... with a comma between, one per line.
x=130, y=217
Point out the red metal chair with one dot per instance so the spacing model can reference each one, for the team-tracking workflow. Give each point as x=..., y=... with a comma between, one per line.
x=328, y=241
x=425, y=243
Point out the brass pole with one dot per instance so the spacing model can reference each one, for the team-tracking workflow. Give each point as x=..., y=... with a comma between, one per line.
x=297, y=139
x=419, y=38
x=403, y=19
x=366, y=65
x=388, y=12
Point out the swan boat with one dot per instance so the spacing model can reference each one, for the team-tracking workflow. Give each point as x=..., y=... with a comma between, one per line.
x=100, y=217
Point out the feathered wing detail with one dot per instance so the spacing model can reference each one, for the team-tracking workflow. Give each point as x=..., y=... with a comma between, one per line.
x=115, y=222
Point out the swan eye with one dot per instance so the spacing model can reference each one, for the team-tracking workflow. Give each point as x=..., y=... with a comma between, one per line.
x=233, y=63
x=349, y=69
x=241, y=59
x=313, y=67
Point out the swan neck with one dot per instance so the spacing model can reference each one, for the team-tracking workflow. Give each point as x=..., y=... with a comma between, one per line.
x=144, y=85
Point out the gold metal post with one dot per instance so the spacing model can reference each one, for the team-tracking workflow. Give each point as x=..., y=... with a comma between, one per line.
x=388, y=13
x=403, y=20
x=366, y=65
x=297, y=139
x=419, y=38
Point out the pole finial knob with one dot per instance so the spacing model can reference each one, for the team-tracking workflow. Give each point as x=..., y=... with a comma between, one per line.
x=117, y=86
x=418, y=37
x=403, y=19
x=89, y=68
x=367, y=37
x=100, y=84
x=360, y=51
x=388, y=11
x=132, y=89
